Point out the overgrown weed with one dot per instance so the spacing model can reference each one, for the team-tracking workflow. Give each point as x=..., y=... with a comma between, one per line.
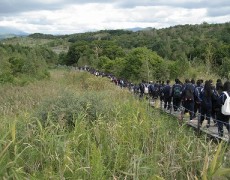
x=114, y=136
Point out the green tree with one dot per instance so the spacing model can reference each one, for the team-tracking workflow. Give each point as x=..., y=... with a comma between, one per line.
x=16, y=64
x=224, y=71
x=75, y=52
x=141, y=63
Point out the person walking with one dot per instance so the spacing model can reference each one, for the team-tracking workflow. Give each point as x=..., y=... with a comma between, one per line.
x=176, y=94
x=167, y=95
x=222, y=119
x=188, y=94
x=206, y=96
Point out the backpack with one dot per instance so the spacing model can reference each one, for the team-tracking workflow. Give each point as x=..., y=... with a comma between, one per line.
x=177, y=92
x=142, y=87
x=189, y=92
x=151, y=88
x=225, y=109
x=205, y=100
x=167, y=91
x=198, y=90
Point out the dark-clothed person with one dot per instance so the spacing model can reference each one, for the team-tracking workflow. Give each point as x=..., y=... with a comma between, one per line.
x=206, y=96
x=221, y=118
x=167, y=95
x=188, y=98
x=197, y=101
x=176, y=94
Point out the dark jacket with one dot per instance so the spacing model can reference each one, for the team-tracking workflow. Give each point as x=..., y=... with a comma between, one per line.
x=174, y=87
x=189, y=87
x=167, y=91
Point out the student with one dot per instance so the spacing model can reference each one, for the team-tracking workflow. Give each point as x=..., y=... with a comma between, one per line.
x=188, y=98
x=197, y=100
x=206, y=97
x=176, y=94
x=161, y=87
x=167, y=95
x=142, y=89
x=221, y=118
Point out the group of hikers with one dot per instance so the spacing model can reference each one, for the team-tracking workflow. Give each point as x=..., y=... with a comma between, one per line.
x=197, y=98
x=200, y=98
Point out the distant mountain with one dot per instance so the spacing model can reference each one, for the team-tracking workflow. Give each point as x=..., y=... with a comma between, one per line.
x=8, y=32
x=135, y=29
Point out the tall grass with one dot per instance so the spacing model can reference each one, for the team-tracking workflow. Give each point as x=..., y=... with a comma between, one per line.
x=112, y=135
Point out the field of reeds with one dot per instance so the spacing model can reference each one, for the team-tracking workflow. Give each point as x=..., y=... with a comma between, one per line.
x=77, y=126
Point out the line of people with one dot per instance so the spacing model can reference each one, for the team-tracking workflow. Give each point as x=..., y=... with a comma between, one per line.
x=196, y=98
x=201, y=98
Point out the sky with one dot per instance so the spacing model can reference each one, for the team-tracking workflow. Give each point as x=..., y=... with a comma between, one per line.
x=77, y=16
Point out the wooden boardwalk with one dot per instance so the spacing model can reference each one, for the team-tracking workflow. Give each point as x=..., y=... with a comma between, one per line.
x=211, y=131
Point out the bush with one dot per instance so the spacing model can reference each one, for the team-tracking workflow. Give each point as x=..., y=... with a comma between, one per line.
x=66, y=108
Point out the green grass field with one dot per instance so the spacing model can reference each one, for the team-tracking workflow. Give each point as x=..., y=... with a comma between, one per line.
x=76, y=126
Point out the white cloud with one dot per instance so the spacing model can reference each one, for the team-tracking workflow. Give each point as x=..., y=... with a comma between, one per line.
x=58, y=16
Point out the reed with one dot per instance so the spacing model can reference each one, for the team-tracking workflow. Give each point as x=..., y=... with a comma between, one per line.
x=112, y=135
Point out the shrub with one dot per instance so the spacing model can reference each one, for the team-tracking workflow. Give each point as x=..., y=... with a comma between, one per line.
x=67, y=107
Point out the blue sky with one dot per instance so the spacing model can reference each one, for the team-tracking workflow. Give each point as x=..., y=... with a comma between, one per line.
x=75, y=16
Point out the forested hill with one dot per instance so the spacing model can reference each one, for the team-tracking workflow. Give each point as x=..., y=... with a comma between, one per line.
x=182, y=41
x=196, y=49
x=146, y=54
x=172, y=43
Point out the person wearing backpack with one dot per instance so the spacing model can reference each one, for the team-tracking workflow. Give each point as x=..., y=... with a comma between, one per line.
x=188, y=98
x=156, y=89
x=197, y=100
x=161, y=87
x=223, y=112
x=176, y=94
x=142, y=89
x=206, y=98
x=151, y=89
x=167, y=95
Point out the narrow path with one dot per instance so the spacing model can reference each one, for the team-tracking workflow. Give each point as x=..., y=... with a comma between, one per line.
x=212, y=131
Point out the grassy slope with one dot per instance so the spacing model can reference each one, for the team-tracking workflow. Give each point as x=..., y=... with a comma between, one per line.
x=115, y=135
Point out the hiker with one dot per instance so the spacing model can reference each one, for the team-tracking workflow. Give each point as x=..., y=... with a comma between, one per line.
x=142, y=89
x=161, y=87
x=176, y=94
x=167, y=95
x=156, y=89
x=188, y=98
x=197, y=101
x=151, y=89
x=223, y=119
x=206, y=96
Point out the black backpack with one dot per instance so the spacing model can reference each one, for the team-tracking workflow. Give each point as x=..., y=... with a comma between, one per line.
x=189, y=92
x=142, y=87
x=177, y=91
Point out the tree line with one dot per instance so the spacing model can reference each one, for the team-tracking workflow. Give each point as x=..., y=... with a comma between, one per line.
x=178, y=51
x=22, y=63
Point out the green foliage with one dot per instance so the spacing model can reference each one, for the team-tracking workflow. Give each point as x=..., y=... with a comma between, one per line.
x=225, y=68
x=114, y=137
x=66, y=108
x=19, y=63
x=206, y=43
x=5, y=72
x=75, y=52
x=142, y=63
x=179, y=68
